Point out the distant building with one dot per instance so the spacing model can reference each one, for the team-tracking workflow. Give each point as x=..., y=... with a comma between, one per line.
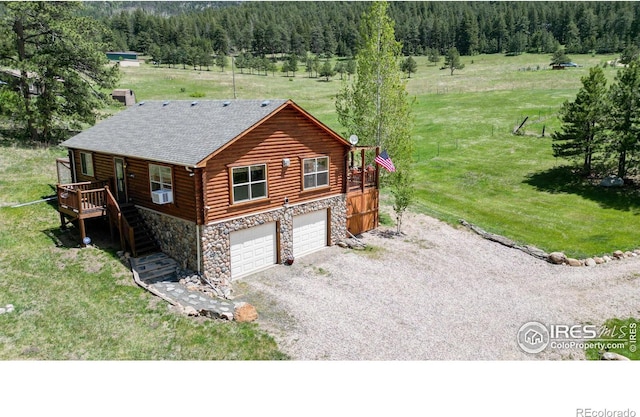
x=124, y=96
x=11, y=78
x=564, y=65
x=121, y=56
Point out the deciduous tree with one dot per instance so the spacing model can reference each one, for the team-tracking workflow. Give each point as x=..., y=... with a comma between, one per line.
x=376, y=106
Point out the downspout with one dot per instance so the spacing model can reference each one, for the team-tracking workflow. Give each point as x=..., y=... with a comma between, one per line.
x=203, y=212
x=199, y=247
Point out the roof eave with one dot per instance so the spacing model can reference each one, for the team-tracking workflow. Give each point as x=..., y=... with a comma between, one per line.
x=121, y=155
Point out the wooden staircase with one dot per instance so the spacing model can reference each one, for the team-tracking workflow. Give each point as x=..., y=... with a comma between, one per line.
x=143, y=240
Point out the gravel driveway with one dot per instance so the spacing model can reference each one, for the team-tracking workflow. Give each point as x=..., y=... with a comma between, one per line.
x=437, y=293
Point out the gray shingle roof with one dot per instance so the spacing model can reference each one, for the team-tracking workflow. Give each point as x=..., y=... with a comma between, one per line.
x=178, y=132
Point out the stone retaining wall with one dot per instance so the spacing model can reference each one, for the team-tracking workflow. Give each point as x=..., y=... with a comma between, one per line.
x=177, y=237
x=216, y=245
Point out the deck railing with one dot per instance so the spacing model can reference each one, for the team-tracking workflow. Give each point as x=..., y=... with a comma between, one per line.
x=117, y=218
x=357, y=179
x=82, y=197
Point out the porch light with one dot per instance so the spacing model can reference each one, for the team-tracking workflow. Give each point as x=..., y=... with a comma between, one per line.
x=286, y=162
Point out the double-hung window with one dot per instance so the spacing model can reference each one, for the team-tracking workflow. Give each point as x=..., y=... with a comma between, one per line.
x=316, y=172
x=249, y=183
x=160, y=177
x=86, y=164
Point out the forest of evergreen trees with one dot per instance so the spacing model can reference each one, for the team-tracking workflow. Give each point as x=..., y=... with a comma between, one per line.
x=181, y=32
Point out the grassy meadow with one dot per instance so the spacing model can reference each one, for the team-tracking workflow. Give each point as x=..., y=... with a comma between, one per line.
x=469, y=164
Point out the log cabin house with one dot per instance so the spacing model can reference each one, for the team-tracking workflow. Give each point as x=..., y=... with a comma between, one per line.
x=226, y=188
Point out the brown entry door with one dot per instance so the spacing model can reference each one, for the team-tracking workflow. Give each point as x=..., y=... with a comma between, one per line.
x=121, y=183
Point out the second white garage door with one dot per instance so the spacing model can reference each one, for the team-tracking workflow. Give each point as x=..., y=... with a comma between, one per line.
x=253, y=249
x=309, y=232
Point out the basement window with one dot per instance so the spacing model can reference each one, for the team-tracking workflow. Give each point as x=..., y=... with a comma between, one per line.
x=316, y=172
x=86, y=164
x=249, y=183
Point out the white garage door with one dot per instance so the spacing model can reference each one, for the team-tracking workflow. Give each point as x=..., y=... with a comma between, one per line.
x=309, y=232
x=253, y=249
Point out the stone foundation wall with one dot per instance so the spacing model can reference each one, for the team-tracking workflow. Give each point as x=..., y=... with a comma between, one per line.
x=216, y=245
x=177, y=237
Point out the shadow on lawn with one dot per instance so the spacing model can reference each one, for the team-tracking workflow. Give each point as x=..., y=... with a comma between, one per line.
x=564, y=180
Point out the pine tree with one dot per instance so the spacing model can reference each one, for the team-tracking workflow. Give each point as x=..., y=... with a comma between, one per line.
x=59, y=52
x=559, y=57
x=452, y=60
x=433, y=56
x=468, y=35
x=625, y=117
x=409, y=66
x=327, y=71
x=583, y=122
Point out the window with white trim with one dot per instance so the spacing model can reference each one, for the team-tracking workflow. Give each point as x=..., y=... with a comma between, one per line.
x=316, y=172
x=160, y=177
x=86, y=164
x=249, y=183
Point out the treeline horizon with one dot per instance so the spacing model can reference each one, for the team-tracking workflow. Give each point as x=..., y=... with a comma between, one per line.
x=331, y=28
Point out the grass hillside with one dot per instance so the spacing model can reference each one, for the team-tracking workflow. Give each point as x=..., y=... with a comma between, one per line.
x=469, y=163
x=83, y=304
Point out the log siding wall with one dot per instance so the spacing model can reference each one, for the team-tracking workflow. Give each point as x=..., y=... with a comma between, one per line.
x=288, y=134
x=186, y=202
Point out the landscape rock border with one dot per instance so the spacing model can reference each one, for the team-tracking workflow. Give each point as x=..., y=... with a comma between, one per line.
x=559, y=258
x=555, y=258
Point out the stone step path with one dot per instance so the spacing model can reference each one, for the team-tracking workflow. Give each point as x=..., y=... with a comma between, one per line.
x=155, y=267
x=157, y=273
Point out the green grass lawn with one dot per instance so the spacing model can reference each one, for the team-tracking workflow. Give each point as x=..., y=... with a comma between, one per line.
x=83, y=304
x=621, y=331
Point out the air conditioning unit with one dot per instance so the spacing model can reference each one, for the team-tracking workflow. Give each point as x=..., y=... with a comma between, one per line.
x=162, y=196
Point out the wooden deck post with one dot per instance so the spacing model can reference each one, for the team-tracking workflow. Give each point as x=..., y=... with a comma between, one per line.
x=123, y=245
x=63, y=223
x=362, y=170
x=82, y=231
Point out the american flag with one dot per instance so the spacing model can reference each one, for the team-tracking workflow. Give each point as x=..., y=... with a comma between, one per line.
x=384, y=160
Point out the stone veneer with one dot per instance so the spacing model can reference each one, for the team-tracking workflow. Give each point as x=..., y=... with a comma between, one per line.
x=177, y=237
x=216, y=242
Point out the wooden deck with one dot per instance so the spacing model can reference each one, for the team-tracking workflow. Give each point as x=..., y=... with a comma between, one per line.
x=85, y=200
x=82, y=200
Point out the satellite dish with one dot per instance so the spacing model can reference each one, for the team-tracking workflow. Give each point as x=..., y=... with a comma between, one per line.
x=353, y=139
